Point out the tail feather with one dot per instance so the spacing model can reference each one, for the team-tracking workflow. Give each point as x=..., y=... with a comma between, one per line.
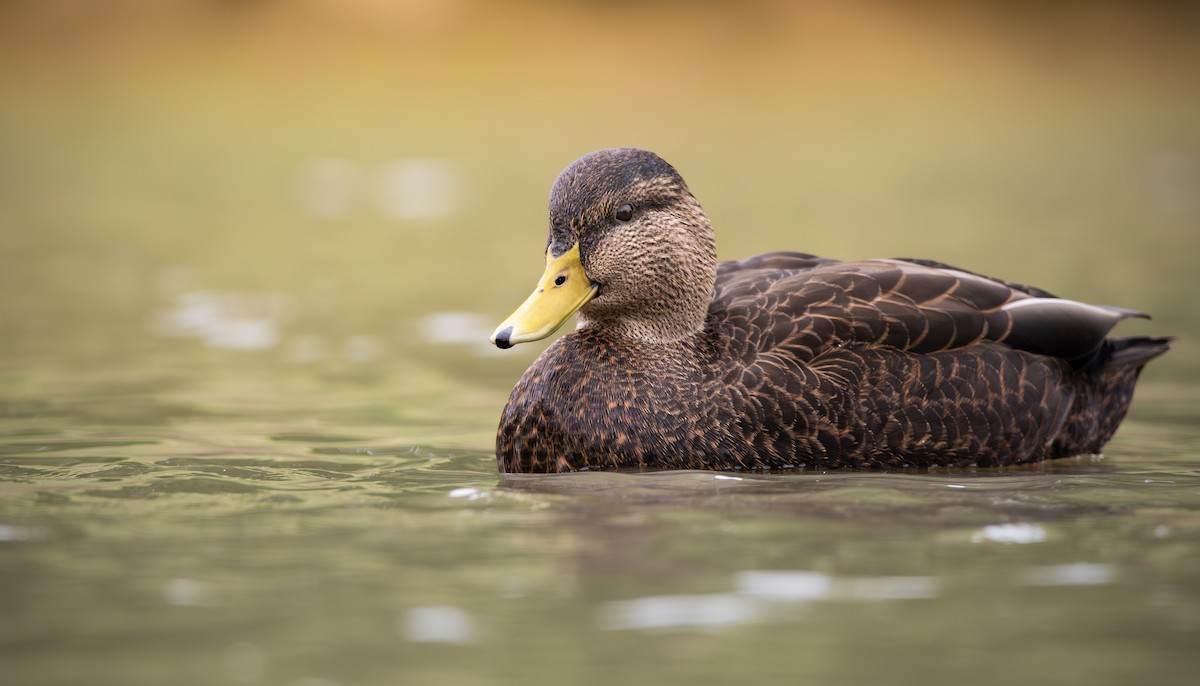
x=1128, y=351
x=1135, y=350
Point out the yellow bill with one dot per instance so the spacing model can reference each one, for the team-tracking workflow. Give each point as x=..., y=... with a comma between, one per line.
x=563, y=289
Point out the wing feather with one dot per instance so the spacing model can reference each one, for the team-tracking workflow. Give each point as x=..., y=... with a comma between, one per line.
x=806, y=304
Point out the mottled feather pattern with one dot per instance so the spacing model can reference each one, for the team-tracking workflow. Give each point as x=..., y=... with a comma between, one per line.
x=780, y=381
x=790, y=360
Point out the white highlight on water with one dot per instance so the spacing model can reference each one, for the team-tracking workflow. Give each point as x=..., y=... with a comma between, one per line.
x=791, y=586
x=469, y=493
x=1076, y=574
x=186, y=592
x=438, y=624
x=757, y=596
x=225, y=319
x=1010, y=533
x=672, y=611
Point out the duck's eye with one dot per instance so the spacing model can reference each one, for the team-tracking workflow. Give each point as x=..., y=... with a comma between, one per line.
x=560, y=279
x=624, y=213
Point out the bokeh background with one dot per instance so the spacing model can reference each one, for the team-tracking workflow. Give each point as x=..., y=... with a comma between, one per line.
x=251, y=252
x=325, y=182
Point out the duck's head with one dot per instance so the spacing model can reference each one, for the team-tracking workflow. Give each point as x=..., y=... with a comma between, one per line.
x=629, y=248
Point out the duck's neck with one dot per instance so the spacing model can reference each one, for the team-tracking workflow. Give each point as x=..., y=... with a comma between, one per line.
x=646, y=330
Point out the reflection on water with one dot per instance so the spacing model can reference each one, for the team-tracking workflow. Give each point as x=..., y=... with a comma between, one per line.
x=759, y=596
x=187, y=592
x=254, y=321
x=472, y=331
x=1010, y=533
x=812, y=586
x=1077, y=574
x=700, y=611
x=439, y=624
x=225, y=319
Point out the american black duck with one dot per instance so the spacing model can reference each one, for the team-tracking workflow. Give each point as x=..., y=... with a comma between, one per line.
x=788, y=359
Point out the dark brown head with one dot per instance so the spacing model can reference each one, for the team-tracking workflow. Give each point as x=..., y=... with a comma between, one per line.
x=629, y=244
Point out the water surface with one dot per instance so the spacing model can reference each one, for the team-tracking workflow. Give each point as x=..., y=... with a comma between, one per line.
x=170, y=522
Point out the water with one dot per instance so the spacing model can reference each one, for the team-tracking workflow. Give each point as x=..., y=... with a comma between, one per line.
x=249, y=522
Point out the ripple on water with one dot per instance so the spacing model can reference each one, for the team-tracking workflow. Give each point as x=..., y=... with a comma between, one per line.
x=964, y=497
x=300, y=437
x=34, y=447
x=175, y=486
x=362, y=474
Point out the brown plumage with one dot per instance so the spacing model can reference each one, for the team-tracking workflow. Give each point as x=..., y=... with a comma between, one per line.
x=791, y=360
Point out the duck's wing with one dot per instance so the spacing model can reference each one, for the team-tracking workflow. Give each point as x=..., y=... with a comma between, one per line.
x=933, y=264
x=752, y=276
x=804, y=305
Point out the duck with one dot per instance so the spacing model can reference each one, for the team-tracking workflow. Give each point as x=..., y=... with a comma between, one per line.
x=787, y=360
